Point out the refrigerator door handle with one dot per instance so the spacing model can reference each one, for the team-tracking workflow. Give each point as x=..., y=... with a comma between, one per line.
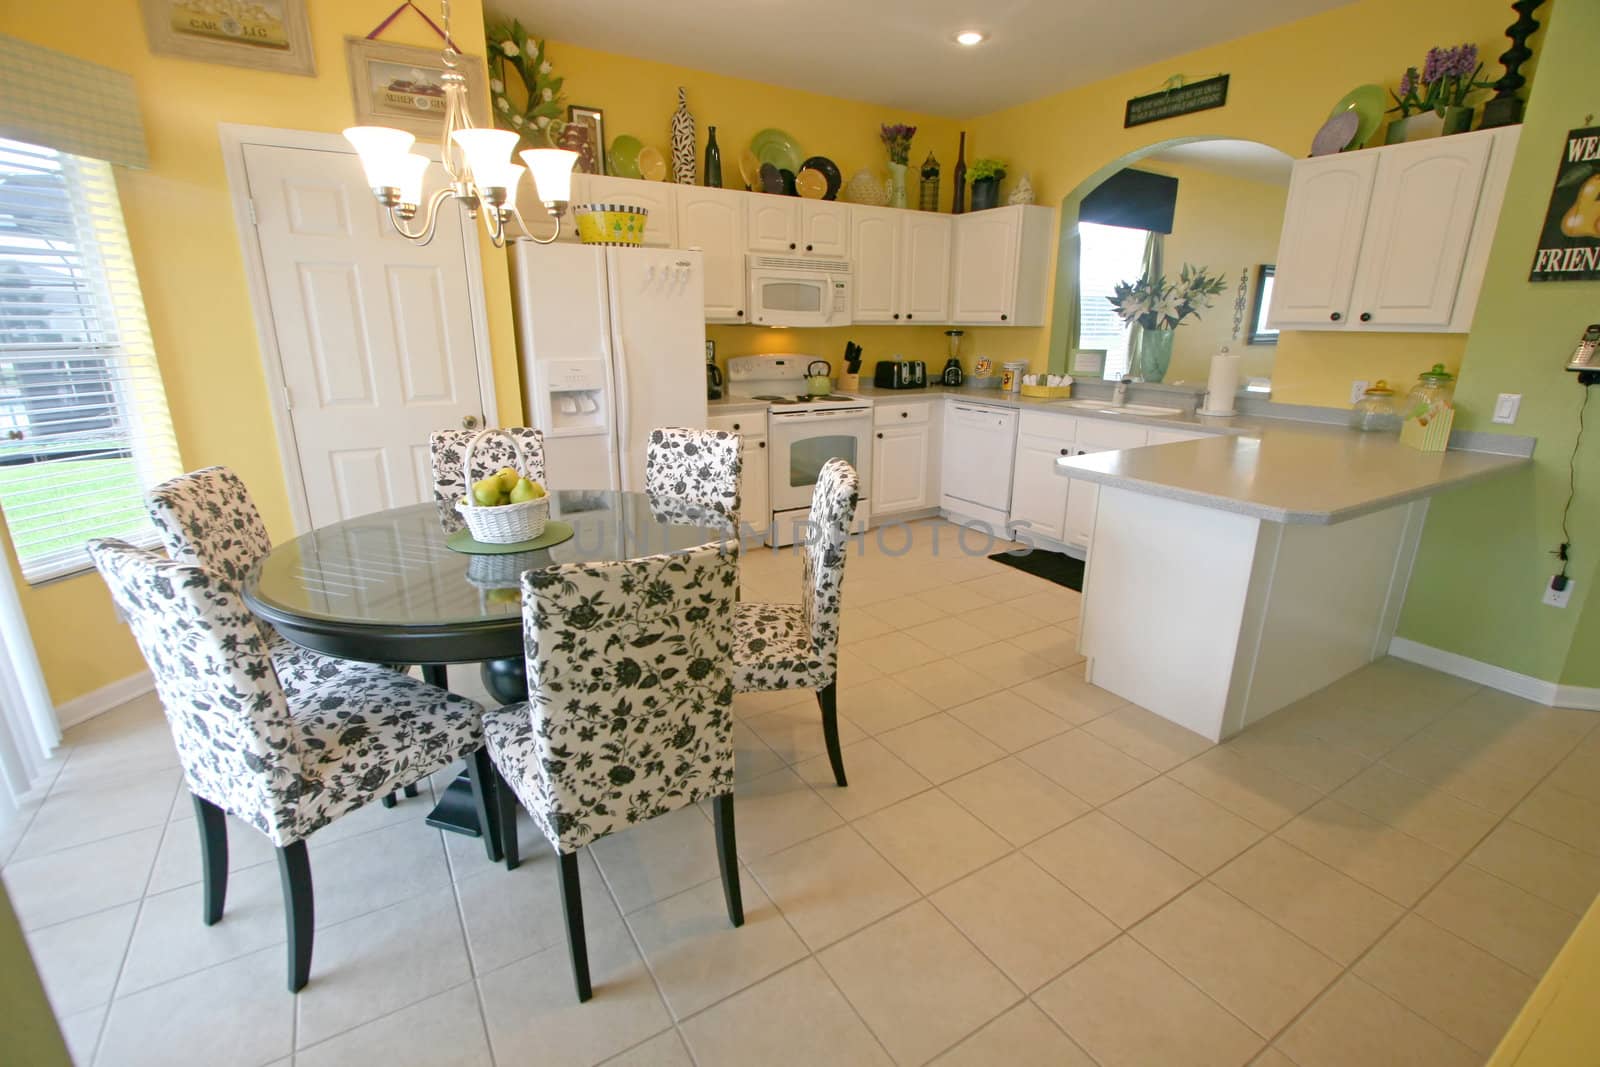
x=619, y=375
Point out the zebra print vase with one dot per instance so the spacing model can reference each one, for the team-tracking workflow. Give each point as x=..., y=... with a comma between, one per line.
x=682, y=142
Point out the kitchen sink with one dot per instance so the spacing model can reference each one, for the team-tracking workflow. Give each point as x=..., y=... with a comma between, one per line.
x=1107, y=408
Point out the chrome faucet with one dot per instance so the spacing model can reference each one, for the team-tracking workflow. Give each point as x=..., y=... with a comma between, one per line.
x=1120, y=397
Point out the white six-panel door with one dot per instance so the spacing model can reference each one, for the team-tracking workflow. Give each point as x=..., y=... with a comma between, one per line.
x=375, y=335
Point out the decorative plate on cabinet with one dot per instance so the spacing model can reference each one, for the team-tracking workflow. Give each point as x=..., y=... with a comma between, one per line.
x=778, y=148
x=828, y=169
x=1368, y=102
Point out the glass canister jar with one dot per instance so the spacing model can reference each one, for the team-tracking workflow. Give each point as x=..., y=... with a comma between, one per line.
x=1375, y=411
x=1435, y=391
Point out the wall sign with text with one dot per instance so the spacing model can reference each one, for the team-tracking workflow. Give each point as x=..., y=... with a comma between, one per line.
x=1569, y=244
x=1181, y=100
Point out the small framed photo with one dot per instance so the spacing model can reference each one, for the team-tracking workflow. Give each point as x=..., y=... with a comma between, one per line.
x=262, y=34
x=1088, y=363
x=1260, y=332
x=592, y=161
x=401, y=86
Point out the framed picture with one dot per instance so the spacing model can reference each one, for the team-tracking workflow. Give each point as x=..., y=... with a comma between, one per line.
x=1260, y=332
x=594, y=160
x=399, y=85
x=263, y=34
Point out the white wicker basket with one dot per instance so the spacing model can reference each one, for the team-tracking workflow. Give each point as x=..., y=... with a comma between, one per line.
x=508, y=523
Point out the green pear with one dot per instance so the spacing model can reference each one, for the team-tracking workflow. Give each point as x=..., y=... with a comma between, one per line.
x=508, y=479
x=525, y=491
x=486, y=493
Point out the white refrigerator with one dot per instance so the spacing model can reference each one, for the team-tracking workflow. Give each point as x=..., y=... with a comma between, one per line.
x=612, y=344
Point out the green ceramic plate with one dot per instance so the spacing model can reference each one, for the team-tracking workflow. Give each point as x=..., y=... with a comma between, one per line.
x=555, y=532
x=624, y=156
x=1369, y=103
x=778, y=148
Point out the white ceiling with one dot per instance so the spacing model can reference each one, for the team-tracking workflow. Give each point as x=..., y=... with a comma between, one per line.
x=1248, y=160
x=901, y=53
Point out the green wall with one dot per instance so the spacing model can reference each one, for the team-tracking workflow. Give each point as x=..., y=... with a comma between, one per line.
x=1486, y=550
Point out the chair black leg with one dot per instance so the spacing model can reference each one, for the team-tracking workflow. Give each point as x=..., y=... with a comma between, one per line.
x=505, y=803
x=213, y=826
x=299, y=916
x=411, y=790
x=389, y=800
x=481, y=773
x=572, y=904
x=828, y=699
x=728, y=857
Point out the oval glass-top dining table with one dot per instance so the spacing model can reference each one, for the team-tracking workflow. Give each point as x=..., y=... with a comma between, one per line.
x=385, y=588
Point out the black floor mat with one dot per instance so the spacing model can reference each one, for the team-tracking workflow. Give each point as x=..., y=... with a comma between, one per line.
x=1057, y=567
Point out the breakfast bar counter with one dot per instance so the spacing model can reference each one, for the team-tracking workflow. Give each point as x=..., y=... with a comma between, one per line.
x=1232, y=575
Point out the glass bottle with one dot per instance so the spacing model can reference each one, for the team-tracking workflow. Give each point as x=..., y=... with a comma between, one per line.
x=960, y=175
x=1375, y=411
x=713, y=160
x=1435, y=390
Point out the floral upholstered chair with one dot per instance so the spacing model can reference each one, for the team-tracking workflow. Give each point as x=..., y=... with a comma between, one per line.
x=796, y=646
x=631, y=713
x=207, y=518
x=698, y=466
x=451, y=479
x=287, y=764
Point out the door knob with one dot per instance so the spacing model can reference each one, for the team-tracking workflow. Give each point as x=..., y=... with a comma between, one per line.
x=1366, y=316
x=1335, y=317
x=470, y=422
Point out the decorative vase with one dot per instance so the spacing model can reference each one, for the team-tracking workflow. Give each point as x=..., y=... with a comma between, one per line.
x=863, y=188
x=1458, y=119
x=1506, y=107
x=1154, y=353
x=897, y=184
x=985, y=193
x=1395, y=133
x=1023, y=193
x=713, y=159
x=959, y=175
x=1423, y=126
x=929, y=200
x=683, y=141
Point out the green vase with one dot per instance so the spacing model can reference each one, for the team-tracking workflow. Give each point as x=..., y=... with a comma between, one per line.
x=1154, y=353
x=1458, y=119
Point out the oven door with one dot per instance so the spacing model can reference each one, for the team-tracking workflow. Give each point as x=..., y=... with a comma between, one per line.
x=795, y=298
x=801, y=442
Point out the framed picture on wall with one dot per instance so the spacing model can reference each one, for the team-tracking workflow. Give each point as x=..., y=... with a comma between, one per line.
x=591, y=160
x=262, y=34
x=401, y=86
x=1260, y=332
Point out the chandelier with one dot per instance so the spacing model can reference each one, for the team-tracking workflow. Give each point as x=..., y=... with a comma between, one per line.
x=477, y=162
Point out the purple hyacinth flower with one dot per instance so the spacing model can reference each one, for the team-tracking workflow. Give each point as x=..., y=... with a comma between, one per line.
x=1433, y=66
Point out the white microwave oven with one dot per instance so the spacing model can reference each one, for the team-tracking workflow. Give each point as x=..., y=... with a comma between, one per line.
x=795, y=291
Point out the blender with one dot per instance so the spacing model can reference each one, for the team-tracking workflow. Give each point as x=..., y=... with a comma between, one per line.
x=952, y=367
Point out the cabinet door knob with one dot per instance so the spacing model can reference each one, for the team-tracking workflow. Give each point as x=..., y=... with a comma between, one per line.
x=1366, y=316
x=908, y=315
x=791, y=246
x=740, y=313
x=1066, y=451
x=1335, y=317
x=897, y=314
x=761, y=444
x=1002, y=318
x=880, y=437
x=736, y=426
x=808, y=248
x=905, y=414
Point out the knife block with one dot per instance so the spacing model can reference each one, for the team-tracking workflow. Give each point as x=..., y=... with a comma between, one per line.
x=849, y=383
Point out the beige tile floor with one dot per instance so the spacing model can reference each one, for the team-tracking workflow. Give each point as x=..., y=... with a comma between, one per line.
x=1024, y=870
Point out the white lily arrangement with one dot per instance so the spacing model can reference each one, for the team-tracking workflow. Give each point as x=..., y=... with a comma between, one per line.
x=1157, y=304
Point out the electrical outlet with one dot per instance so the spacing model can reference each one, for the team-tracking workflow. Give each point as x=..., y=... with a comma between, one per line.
x=1557, y=598
x=1357, y=387
x=1506, y=407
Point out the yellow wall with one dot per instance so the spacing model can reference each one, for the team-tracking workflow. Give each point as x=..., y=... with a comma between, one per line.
x=1225, y=225
x=180, y=224
x=1558, y=1026
x=1282, y=84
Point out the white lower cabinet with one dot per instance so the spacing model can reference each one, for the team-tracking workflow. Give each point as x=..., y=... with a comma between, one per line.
x=1038, y=493
x=1083, y=498
x=905, y=458
x=755, y=493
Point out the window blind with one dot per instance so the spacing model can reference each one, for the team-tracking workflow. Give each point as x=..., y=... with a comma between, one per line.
x=84, y=427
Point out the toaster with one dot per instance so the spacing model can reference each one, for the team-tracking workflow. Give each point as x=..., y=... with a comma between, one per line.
x=900, y=374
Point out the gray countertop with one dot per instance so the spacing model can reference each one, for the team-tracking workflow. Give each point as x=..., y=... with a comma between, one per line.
x=1289, y=472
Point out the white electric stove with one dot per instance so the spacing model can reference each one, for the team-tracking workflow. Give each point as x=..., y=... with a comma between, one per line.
x=803, y=433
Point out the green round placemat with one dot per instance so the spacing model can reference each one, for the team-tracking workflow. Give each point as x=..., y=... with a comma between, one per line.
x=555, y=532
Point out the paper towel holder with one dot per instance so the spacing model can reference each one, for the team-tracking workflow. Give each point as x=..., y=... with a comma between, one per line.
x=1225, y=380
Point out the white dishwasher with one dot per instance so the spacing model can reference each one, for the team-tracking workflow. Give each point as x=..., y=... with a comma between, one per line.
x=979, y=444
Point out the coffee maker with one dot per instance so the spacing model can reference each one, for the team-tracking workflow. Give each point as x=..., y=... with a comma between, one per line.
x=713, y=373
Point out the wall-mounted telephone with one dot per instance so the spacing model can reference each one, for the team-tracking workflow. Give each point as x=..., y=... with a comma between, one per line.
x=1585, y=361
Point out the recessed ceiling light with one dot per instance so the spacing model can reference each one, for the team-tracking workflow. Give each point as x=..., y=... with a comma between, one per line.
x=969, y=38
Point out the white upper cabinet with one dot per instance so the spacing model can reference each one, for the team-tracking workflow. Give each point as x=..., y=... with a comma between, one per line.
x=713, y=220
x=1001, y=266
x=1321, y=239
x=825, y=228
x=924, y=267
x=1393, y=238
x=658, y=198
x=875, y=238
x=1418, y=226
x=804, y=227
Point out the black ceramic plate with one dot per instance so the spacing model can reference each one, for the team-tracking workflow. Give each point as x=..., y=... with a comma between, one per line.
x=787, y=177
x=829, y=170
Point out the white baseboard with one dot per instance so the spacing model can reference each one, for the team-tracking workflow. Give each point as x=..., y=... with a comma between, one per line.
x=1523, y=685
x=102, y=700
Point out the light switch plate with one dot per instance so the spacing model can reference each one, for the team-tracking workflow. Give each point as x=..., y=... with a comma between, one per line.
x=1357, y=387
x=1557, y=598
x=1506, y=407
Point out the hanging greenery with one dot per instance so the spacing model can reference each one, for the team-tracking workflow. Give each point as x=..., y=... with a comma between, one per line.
x=539, y=120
